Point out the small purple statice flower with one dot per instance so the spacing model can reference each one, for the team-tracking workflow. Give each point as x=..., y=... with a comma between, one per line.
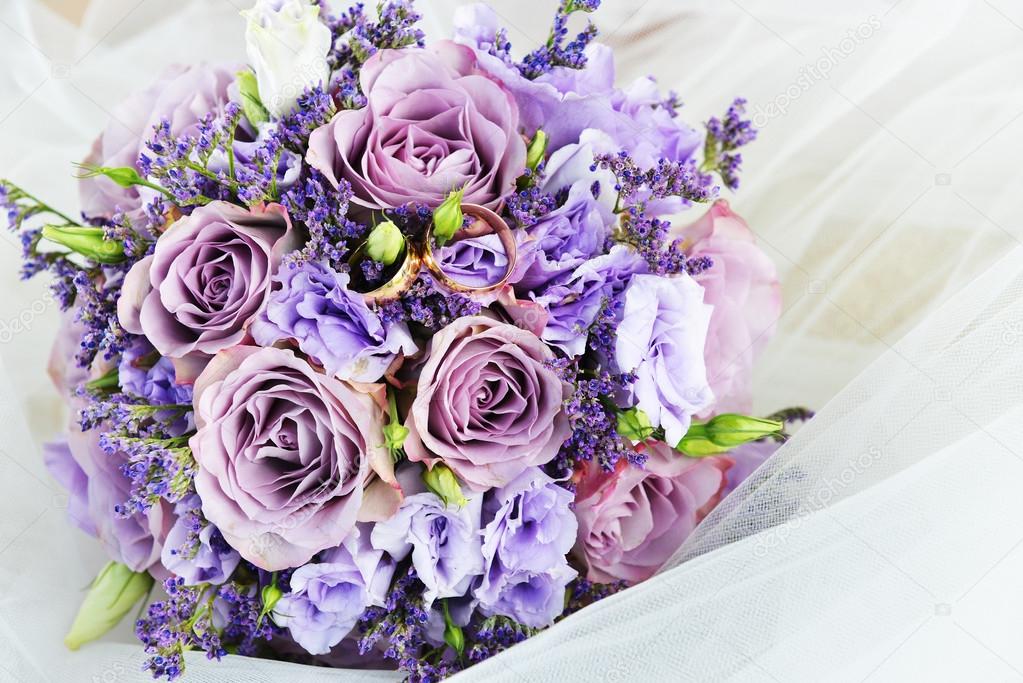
x=195, y=550
x=331, y=323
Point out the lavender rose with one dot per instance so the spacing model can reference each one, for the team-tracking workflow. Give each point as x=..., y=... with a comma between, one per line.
x=206, y=280
x=524, y=548
x=661, y=338
x=95, y=486
x=182, y=96
x=632, y=520
x=433, y=124
x=284, y=454
x=332, y=324
x=328, y=597
x=743, y=287
x=487, y=405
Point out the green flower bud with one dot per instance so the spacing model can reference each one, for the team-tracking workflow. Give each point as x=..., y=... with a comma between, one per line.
x=115, y=591
x=252, y=105
x=537, y=150
x=448, y=217
x=385, y=243
x=453, y=635
x=725, y=432
x=87, y=241
x=442, y=481
x=635, y=425
x=394, y=436
x=124, y=176
x=271, y=595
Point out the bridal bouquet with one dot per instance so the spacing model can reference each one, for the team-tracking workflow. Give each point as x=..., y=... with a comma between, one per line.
x=387, y=354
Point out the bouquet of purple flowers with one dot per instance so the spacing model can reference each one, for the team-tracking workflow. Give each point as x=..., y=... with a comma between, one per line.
x=387, y=353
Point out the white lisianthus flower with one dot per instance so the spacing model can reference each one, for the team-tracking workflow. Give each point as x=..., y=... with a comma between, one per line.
x=287, y=45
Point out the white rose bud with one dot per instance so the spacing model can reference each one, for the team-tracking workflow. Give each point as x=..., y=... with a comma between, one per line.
x=287, y=45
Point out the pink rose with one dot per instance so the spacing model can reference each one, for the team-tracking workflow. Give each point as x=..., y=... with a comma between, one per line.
x=182, y=95
x=632, y=520
x=487, y=406
x=433, y=124
x=288, y=458
x=743, y=288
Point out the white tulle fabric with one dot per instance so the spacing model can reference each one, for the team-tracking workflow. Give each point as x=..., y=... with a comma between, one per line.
x=881, y=543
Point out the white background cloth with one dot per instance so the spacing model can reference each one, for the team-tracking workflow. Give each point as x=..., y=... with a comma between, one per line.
x=882, y=183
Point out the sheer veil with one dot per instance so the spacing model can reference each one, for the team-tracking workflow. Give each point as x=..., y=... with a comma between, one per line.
x=882, y=542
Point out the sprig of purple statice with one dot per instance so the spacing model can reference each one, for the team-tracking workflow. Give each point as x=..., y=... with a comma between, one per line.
x=210, y=619
x=724, y=137
x=494, y=635
x=424, y=304
x=556, y=52
x=323, y=210
x=356, y=37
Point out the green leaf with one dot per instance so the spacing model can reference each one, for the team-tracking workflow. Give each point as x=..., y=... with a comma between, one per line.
x=385, y=243
x=443, y=482
x=107, y=381
x=114, y=591
x=448, y=217
x=87, y=241
x=125, y=176
x=252, y=105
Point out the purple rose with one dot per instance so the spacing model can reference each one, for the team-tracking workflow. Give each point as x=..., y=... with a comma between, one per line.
x=632, y=520
x=206, y=280
x=433, y=124
x=284, y=454
x=331, y=323
x=444, y=541
x=524, y=548
x=475, y=262
x=573, y=305
x=328, y=597
x=195, y=550
x=661, y=339
x=183, y=96
x=487, y=404
x=95, y=485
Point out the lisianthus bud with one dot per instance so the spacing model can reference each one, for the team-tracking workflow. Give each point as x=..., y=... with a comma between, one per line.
x=125, y=176
x=87, y=241
x=725, y=432
x=385, y=243
x=443, y=482
x=537, y=150
x=271, y=595
x=252, y=105
x=448, y=217
x=635, y=425
x=115, y=591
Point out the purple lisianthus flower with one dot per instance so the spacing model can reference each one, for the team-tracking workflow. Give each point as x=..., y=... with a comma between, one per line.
x=574, y=304
x=433, y=123
x=195, y=550
x=656, y=134
x=62, y=466
x=444, y=541
x=328, y=597
x=661, y=339
x=487, y=404
x=745, y=460
x=206, y=280
x=144, y=373
x=331, y=323
x=524, y=548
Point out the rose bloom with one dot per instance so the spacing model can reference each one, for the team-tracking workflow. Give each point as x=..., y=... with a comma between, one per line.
x=285, y=455
x=182, y=96
x=743, y=288
x=206, y=280
x=486, y=405
x=632, y=520
x=433, y=124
